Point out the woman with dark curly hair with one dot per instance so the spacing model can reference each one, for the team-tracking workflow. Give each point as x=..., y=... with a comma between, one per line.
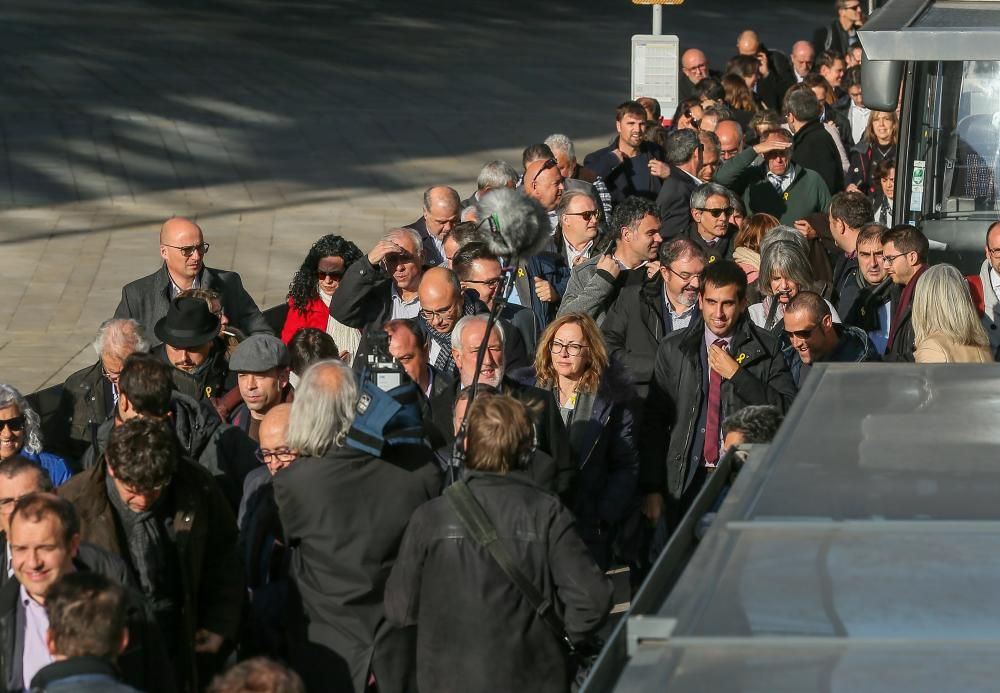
x=312, y=288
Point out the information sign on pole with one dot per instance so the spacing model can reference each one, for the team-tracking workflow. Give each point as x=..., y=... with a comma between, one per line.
x=655, y=62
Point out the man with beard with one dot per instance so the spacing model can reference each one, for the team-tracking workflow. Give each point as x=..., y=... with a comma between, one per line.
x=189, y=336
x=872, y=306
x=625, y=165
x=552, y=439
x=644, y=314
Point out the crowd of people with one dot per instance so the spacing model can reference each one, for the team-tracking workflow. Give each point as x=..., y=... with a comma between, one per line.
x=320, y=495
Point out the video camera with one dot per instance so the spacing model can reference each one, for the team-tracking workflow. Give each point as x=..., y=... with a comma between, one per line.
x=383, y=370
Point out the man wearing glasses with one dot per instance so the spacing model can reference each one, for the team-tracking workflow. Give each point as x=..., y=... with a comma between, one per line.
x=777, y=185
x=711, y=231
x=183, y=249
x=842, y=33
x=814, y=337
x=904, y=255
x=986, y=287
x=644, y=314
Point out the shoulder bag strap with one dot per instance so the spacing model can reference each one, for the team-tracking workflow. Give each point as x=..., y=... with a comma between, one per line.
x=478, y=525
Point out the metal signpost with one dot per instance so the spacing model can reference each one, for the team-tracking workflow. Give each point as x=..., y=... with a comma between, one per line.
x=655, y=60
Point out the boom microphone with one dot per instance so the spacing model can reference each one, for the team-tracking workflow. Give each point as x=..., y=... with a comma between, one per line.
x=512, y=224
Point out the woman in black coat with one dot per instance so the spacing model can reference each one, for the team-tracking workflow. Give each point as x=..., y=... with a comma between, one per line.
x=595, y=399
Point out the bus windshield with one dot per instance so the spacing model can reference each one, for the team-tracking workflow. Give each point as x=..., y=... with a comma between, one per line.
x=955, y=141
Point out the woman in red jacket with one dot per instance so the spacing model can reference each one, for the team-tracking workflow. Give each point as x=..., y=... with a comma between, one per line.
x=312, y=288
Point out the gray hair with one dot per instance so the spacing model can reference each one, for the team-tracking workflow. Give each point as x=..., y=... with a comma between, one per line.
x=456, y=333
x=32, y=422
x=786, y=260
x=699, y=198
x=942, y=304
x=456, y=199
x=418, y=243
x=322, y=412
x=757, y=422
x=121, y=335
x=710, y=140
x=681, y=145
x=787, y=234
x=496, y=174
x=561, y=143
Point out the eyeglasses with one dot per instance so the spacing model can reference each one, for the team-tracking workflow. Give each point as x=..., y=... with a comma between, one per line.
x=399, y=258
x=717, y=211
x=696, y=68
x=15, y=425
x=491, y=283
x=265, y=456
x=994, y=252
x=549, y=163
x=111, y=376
x=588, y=215
x=889, y=259
x=801, y=334
x=694, y=121
x=686, y=276
x=429, y=315
x=851, y=8
x=6, y=504
x=188, y=250
x=571, y=349
x=338, y=275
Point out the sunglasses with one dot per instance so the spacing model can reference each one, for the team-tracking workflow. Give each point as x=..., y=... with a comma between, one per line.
x=588, y=215
x=329, y=275
x=491, y=283
x=15, y=425
x=802, y=334
x=717, y=211
x=188, y=250
x=549, y=163
x=694, y=121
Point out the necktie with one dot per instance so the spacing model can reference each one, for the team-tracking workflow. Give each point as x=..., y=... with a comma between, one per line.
x=713, y=419
x=776, y=181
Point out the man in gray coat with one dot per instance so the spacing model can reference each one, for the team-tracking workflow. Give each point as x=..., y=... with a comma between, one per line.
x=183, y=249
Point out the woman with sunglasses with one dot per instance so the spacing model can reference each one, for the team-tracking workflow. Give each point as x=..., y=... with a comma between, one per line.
x=595, y=398
x=21, y=434
x=312, y=288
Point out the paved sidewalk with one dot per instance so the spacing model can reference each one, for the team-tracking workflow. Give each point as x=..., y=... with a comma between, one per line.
x=272, y=123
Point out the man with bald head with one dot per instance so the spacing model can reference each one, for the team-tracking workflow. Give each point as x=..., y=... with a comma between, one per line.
x=442, y=211
x=775, y=69
x=694, y=67
x=262, y=539
x=442, y=304
x=730, y=134
x=803, y=56
x=544, y=183
x=183, y=249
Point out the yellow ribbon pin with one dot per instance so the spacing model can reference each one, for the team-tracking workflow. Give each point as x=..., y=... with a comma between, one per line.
x=208, y=390
x=741, y=358
x=786, y=197
x=711, y=259
x=520, y=272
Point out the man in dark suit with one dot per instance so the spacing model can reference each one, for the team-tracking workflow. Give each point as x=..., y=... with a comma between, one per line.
x=841, y=34
x=814, y=147
x=183, y=249
x=904, y=254
x=442, y=209
x=645, y=313
x=89, y=396
x=624, y=165
x=775, y=69
x=344, y=512
x=711, y=231
x=684, y=157
x=716, y=366
x=382, y=285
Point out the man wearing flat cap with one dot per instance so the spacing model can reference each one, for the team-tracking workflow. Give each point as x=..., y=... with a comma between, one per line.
x=261, y=364
x=189, y=334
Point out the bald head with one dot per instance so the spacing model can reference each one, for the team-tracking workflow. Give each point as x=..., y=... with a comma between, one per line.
x=730, y=136
x=182, y=249
x=442, y=207
x=803, y=55
x=695, y=65
x=441, y=302
x=748, y=43
x=274, y=426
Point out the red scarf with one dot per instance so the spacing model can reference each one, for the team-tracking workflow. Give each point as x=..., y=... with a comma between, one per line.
x=904, y=302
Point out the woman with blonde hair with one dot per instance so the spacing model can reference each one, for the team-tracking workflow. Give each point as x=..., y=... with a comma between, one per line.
x=878, y=144
x=946, y=326
x=595, y=398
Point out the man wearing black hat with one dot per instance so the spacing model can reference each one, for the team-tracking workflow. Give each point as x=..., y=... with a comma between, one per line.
x=261, y=365
x=189, y=333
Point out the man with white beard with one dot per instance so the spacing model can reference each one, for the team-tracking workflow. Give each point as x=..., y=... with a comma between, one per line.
x=550, y=433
